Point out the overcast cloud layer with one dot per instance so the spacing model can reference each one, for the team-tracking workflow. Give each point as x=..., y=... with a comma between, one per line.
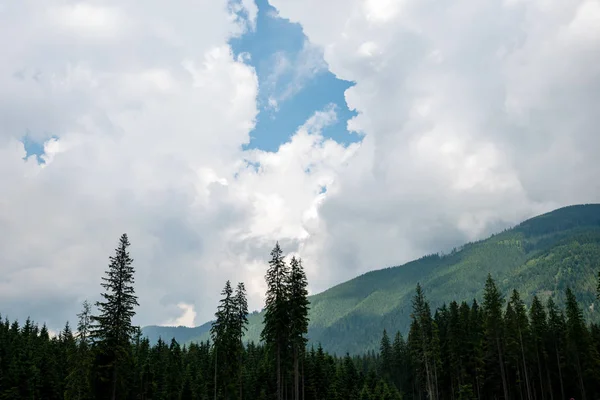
x=475, y=115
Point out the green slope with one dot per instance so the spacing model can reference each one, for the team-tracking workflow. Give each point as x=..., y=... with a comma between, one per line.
x=181, y=333
x=541, y=256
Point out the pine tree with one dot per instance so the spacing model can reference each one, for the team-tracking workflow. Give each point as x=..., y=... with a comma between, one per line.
x=67, y=346
x=424, y=345
x=521, y=325
x=455, y=348
x=241, y=307
x=78, y=383
x=225, y=338
x=539, y=328
x=298, y=306
x=577, y=338
x=476, y=343
x=556, y=339
x=399, y=361
x=276, y=320
x=386, y=356
x=112, y=330
x=493, y=325
x=46, y=363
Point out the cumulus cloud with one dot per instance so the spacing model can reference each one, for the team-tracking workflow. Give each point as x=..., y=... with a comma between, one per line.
x=475, y=114
x=142, y=115
x=187, y=317
x=143, y=112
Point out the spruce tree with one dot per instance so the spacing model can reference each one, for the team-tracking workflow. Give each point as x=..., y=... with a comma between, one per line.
x=112, y=330
x=577, y=338
x=476, y=344
x=454, y=339
x=241, y=326
x=556, y=341
x=424, y=345
x=298, y=314
x=493, y=327
x=276, y=319
x=401, y=362
x=225, y=340
x=78, y=383
x=385, y=353
x=539, y=328
x=67, y=346
x=521, y=325
x=46, y=364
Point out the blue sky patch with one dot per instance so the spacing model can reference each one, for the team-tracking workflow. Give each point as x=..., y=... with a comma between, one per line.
x=294, y=81
x=34, y=148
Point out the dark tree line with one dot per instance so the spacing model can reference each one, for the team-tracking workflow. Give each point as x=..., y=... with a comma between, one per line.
x=499, y=349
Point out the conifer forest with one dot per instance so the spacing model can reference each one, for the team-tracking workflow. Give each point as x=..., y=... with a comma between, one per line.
x=497, y=348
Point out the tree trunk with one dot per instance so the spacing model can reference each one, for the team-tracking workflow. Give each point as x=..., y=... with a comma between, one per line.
x=502, y=372
x=296, y=375
x=537, y=355
x=303, y=376
x=428, y=375
x=216, y=372
x=580, y=375
x=278, y=372
x=114, y=382
x=562, y=388
x=437, y=393
x=240, y=366
x=550, y=383
x=518, y=379
x=525, y=366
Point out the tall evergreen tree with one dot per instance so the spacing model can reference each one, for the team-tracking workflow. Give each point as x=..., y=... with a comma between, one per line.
x=577, y=338
x=539, y=329
x=241, y=307
x=521, y=325
x=476, y=344
x=298, y=306
x=386, y=355
x=78, y=385
x=225, y=338
x=422, y=331
x=493, y=325
x=276, y=320
x=556, y=341
x=112, y=329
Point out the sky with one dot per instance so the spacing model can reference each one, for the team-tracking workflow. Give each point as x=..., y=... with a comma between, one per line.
x=360, y=134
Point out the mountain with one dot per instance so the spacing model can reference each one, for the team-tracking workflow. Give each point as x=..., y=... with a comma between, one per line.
x=181, y=333
x=542, y=256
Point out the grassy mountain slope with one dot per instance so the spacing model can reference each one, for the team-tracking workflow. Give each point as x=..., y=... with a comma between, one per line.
x=181, y=333
x=540, y=256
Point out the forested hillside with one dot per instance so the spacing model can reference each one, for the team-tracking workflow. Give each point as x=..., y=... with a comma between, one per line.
x=541, y=256
x=498, y=348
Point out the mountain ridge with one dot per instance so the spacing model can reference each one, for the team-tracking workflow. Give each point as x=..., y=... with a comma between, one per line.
x=542, y=255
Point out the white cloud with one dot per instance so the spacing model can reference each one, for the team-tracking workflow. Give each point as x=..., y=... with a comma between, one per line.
x=85, y=18
x=138, y=116
x=143, y=132
x=476, y=115
x=187, y=317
